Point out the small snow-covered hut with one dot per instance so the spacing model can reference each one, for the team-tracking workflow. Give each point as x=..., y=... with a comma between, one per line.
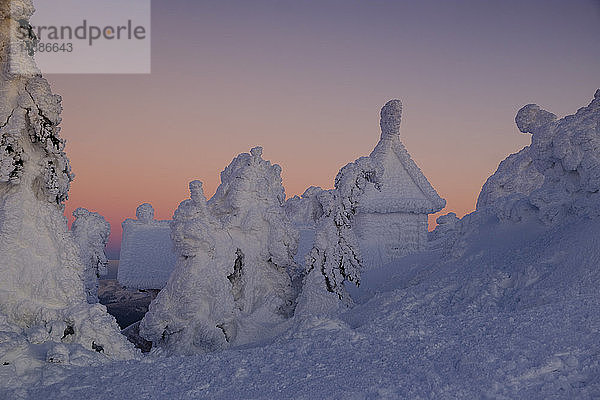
x=147, y=255
x=392, y=222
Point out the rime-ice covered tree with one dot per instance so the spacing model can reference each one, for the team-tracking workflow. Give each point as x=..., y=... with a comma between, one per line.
x=42, y=296
x=335, y=257
x=516, y=176
x=305, y=210
x=557, y=175
x=556, y=178
x=566, y=152
x=90, y=231
x=197, y=299
x=231, y=283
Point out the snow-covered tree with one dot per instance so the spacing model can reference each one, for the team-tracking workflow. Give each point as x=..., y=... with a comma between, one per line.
x=554, y=179
x=305, y=210
x=231, y=283
x=336, y=252
x=516, y=176
x=90, y=231
x=557, y=176
x=42, y=295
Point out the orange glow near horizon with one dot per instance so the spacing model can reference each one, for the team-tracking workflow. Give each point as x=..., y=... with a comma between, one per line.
x=306, y=80
x=117, y=172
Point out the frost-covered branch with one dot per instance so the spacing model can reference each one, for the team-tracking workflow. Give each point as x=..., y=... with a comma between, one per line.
x=336, y=251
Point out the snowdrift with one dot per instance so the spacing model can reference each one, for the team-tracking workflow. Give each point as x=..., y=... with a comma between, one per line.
x=514, y=317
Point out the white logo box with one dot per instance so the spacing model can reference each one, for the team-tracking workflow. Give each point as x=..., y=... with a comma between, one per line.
x=84, y=36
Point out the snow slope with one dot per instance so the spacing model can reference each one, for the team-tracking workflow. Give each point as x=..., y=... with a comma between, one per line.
x=515, y=317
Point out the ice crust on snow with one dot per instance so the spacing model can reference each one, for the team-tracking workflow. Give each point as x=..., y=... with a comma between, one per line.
x=147, y=255
x=231, y=283
x=43, y=301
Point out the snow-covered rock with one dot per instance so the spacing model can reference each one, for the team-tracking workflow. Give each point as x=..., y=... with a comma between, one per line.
x=231, y=284
x=147, y=255
x=90, y=231
x=43, y=302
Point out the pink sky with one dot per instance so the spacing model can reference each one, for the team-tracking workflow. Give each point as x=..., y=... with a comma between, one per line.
x=306, y=80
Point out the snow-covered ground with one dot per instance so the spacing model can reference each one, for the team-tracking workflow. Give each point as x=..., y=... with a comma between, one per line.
x=516, y=316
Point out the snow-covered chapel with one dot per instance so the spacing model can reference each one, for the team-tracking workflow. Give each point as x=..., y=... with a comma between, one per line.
x=392, y=221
